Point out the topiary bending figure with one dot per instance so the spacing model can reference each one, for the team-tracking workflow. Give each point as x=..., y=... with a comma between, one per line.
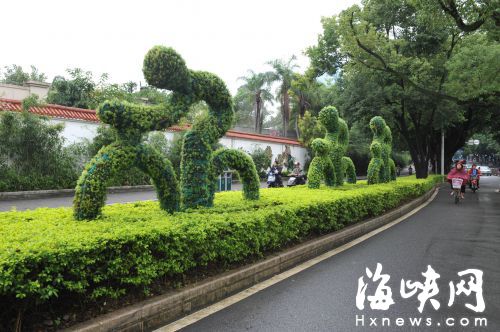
x=164, y=68
x=199, y=164
x=386, y=171
x=337, y=133
x=321, y=167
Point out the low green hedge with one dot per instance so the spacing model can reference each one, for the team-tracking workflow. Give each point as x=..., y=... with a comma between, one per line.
x=46, y=255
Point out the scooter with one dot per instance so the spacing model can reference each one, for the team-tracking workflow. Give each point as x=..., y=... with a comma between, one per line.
x=456, y=184
x=274, y=179
x=473, y=183
x=296, y=180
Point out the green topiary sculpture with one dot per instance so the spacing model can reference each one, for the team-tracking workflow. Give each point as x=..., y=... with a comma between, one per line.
x=321, y=167
x=337, y=133
x=384, y=170
x=198, y=171
x=376, y=164
x=165, y=69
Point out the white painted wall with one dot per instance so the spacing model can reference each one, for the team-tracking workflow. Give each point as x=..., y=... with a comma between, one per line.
x=76, y=131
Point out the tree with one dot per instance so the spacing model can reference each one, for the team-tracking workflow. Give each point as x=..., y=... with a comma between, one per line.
x=32, y=152
x=15, y=74
x=283, y=73
x=308, y=95
x=257, y=89
x=77, y=91
x=471, y=15
x=405, y=52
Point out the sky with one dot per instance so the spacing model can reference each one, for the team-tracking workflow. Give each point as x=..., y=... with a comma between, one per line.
x=108, y=36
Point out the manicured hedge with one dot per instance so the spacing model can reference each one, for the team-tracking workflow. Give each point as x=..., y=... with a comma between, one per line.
x=46, y=254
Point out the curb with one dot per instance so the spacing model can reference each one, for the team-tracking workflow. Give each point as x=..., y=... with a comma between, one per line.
x=163, y=309
x=13, y=195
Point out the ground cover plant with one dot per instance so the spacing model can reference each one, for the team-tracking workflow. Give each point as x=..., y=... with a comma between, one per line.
x=48, y=259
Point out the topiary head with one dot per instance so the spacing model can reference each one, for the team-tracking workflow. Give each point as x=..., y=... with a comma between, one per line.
x=377, y=125
x=376, y=150
x=164, y=68
x=320, y=146
x=329, y=118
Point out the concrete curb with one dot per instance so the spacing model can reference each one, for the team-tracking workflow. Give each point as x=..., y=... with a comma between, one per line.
x=13, y=195
x=163, y=309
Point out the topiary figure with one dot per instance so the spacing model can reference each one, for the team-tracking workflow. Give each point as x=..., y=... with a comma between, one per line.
x=321, y=167
x=337, y=133
x=376, y=165
x=382, y=135
x=198, y=172
x=165, y=69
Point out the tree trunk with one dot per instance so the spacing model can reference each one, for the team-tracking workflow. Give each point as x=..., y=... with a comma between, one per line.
x=286, y=111
x=258, y=106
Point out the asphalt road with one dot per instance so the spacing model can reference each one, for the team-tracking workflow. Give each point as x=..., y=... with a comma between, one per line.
x=24, y=204
x=66, y=201
x=447, y=237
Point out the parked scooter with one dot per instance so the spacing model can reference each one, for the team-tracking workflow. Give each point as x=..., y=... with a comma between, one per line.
x=296, y=180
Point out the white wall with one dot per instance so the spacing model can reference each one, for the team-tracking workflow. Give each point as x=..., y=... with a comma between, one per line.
x=76, y=131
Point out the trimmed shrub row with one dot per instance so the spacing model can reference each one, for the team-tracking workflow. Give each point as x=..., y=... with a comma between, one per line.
x=46, y=254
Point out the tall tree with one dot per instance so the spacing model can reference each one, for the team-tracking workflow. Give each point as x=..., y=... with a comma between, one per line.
x=406, y=53
x=257, y=89
x=76, y=91
x=283, y=73
x=15, y=74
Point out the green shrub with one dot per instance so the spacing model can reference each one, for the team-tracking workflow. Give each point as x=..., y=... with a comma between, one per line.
x=381, y=168
x=32, y=153
x=46, y=256
x=262, y=160
x=337, y=135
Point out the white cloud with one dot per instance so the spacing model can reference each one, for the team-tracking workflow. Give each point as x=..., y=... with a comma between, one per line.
x=224, y=37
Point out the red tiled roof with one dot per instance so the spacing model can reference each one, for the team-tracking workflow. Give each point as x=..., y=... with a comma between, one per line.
x=74, y=113
x=56, y=111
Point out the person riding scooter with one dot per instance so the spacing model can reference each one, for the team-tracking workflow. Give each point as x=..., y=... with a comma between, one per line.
x=474, y=173
x=297, y=177
x=274, y=176
x=459, y=172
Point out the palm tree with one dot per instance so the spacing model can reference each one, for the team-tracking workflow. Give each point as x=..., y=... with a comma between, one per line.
x=307, y=94
x=283, y=73
x=257, y=89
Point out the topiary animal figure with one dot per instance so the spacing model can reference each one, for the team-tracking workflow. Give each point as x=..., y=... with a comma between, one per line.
x=321, y=167
x=164, y=68
x=337, y=133
x=382, y=135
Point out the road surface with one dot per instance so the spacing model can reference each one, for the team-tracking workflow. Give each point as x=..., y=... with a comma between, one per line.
x=447, y=237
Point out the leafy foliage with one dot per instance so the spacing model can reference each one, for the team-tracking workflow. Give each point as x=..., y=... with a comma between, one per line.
x=337, y=135
x=15, y=74
x=165, y=69
x=381, y=168
x=411, y=62
x=47, y=258
x=262, y=160
x=321, y=167
x=32, y=153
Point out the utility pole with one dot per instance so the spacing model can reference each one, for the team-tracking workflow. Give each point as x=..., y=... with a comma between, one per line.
x=442, y=151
